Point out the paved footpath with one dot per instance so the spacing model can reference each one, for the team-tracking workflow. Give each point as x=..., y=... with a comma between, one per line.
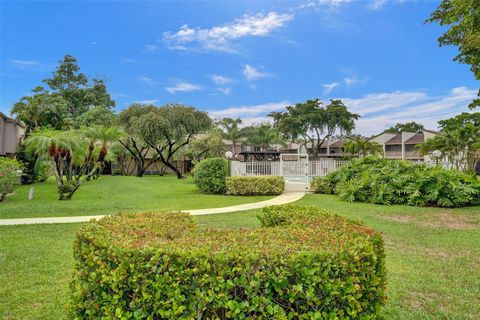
x=284, y=198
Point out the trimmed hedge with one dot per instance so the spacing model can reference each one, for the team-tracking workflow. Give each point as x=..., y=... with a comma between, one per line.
x=210, y=174
x=303, y=263
x=255, y=186
x=383, y=181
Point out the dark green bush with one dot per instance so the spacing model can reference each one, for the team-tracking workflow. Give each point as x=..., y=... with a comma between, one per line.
x=384, y=181
x=313, y=265
x=255, y=186
x=210, y=174
x=10, y=171
x=321, y=185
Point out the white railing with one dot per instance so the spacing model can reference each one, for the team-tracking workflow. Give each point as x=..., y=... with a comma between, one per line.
x=294, y=170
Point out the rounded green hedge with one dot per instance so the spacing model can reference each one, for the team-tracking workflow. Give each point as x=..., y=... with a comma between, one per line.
x=303, y=263
x=254, y=185
x=209, y=175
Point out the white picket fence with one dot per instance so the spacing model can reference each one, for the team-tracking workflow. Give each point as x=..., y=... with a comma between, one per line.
x=299, y=172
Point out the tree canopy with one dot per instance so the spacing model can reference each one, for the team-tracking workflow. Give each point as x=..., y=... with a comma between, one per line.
x=314, y=122
x=169, y=128
x=463, y=19
x=406, y=127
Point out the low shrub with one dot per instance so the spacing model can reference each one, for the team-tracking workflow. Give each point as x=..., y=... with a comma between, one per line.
x=321, y=185
x=210, y=174
x=10, y=171
x=255, y=186
x=384, y=181
x=312, y=265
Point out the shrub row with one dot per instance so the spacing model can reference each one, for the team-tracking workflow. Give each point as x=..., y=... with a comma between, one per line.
x=384, y=181
x=255, y=186
x=303, y=263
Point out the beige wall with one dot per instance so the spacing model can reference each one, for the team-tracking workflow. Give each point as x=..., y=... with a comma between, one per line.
x=10, y=136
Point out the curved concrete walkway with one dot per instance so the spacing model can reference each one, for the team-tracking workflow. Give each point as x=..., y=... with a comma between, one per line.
x=284, y=198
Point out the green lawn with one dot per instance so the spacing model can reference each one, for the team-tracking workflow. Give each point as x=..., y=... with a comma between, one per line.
x=433, y=260
x=112, y=194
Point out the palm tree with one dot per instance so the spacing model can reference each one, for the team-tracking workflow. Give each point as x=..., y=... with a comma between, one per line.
x=231, y=131
x=263, y=135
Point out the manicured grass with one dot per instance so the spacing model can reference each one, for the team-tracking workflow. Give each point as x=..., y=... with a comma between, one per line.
x=113, y=194
x=433, y=260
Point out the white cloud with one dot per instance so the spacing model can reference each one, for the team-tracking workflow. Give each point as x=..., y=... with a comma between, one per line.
x=377, y=4
x=220, y=38
x=350, y=81
x=328, y=87
x=252, y=73
x=147, y=80
x=383, y=110
x=151, y=101
x=248, y=112
x=225, y=91
x=128, y=60
x=27, y=64
x=183, y=87
x=219, y=79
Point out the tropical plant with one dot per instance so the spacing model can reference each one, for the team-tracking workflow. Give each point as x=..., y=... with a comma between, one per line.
x=263, y=136
x=208, y=145
x=406, y=127
x=10, y=171
x=360, y=147
x=314, y=122
x=384, y=181
x=459, y=141
x=232, y=132
x=75, y=156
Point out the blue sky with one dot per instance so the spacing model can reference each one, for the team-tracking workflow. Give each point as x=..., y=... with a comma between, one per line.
x=244, y=59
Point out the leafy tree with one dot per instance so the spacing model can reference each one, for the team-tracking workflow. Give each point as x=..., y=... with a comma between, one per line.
x=263, y=135
x=314, y=122
x=138, y=149
x=169, y=128
x=42, y=109
x=209, y=145
x=98, y=116
x=360, y=147
x=231, y=131
x=75, y=156
x=463, y=19
x=406, y=127
x=459, y=140
x=73, y=86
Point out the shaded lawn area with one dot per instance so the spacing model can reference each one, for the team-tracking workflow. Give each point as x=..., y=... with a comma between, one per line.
x=433, y=260
x=111, y=194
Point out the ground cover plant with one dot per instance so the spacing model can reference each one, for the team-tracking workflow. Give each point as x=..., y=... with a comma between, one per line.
x=384, y=181
x=255, y=185
x=432, y=258
x=302, y=263
x=111, y=194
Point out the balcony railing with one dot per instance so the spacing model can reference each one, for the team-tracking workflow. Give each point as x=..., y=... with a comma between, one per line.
x=393, y=154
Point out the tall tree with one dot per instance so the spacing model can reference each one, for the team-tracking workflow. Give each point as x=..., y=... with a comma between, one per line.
x=314, y=122
x=263, y=135
x=463, y=19
x=232, y=132
x=139, y=150
x=169, y=128
x=208, y=145
x=361, y=147
x=406, y=127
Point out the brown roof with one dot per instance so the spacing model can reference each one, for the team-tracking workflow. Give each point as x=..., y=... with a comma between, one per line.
x=338, y=143
x=416, y=139
x=395, y=140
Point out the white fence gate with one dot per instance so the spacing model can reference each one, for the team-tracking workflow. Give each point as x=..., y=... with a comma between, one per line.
x=296, y=169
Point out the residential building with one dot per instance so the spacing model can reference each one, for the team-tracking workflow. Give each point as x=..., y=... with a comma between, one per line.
x=403, y=145
x=11, y=132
